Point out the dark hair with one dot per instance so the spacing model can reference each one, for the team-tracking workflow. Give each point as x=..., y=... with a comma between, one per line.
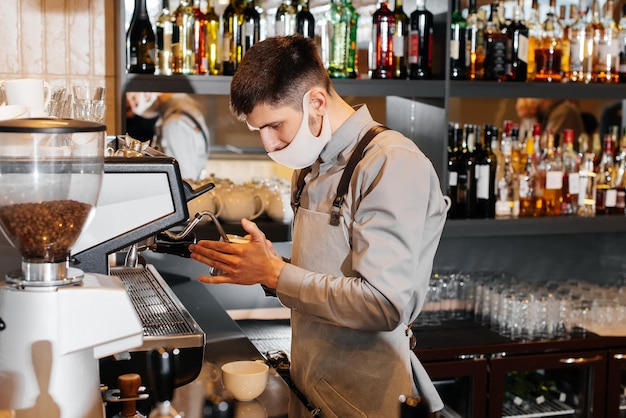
x=277, y=71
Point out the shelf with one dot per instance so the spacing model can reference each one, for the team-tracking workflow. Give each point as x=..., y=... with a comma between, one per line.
x=476, y=228
x=220, y=85
x=427, y=89
x=494, y=89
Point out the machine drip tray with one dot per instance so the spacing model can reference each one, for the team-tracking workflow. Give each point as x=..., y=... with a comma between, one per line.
x=164, y=318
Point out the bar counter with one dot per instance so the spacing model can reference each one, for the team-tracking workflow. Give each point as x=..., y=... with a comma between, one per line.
x=225, y=341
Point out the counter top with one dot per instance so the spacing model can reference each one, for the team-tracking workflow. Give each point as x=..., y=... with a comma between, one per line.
x=225, y=341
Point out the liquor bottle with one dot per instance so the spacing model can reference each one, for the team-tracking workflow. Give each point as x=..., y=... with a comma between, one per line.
x=593, y=34
x=517, y=53
x=549, y=51
x=608, y=50
x=183, y=51
x=495, y=47
x=467, y=174
x=352, y=16
x=587, y=189
x=576, y=38
x=516, y=149
x=199, y=39
x=400, y=42
x=164, y=34
x=232, y=19
x=383, y=27
x=571, y=168
x=140, y=42
x=486, y=165
x=565, y=45
x=596, y=148
x=128, y=385
x=213, y=58
x=455, y=138
x=534, y=38
x=285, y=22
x=507, y=200
x=622, y=45
x=421, y=43
x=606, y=193
x=527, y=178
x=250, y=27
x=339, y=27
x=551, y=177
x=620, y=177
x=305, y=22
x=458, y=70
x=475, y=43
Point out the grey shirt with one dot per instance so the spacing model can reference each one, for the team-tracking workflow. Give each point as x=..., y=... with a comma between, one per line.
x=394, y=212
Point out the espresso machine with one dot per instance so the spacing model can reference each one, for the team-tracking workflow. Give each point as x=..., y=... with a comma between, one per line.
x=56, y=320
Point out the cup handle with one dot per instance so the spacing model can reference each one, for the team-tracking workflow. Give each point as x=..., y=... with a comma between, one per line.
x=261, y=206
x=448, y=202
x=218, y=205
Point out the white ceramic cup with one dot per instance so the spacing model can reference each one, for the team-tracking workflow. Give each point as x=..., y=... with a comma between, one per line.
x=33, y=93
x=245, y=379
x=239, y=202
x=13, y=112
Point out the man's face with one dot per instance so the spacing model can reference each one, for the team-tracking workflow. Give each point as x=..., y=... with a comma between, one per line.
x=277, y=125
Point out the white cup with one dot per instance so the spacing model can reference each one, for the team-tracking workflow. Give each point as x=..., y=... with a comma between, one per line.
x=13, y=112
x=239, y=202
x=245, y=379
x=33, y=93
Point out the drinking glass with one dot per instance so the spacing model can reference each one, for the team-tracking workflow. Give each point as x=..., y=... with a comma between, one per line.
x=89, y=103
x=59, y=105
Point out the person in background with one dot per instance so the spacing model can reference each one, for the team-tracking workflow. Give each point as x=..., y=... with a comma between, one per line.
x=174, y=124
x=553, y=115
x=359, y=271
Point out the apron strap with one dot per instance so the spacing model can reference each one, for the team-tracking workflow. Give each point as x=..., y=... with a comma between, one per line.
x=344, y=182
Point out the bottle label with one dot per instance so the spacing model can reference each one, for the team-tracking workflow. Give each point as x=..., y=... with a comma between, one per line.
x=414, y=45
x=554, y=180
x=525, y=191
x=610, y=198
x=455, y=46
x=574, y=183
x=453, y=178
x=398, y=45
x=522, y=52
x=482, y=185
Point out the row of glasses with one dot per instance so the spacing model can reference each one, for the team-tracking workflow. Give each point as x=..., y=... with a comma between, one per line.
x=84, y=103
x=523, y=310
x=450, y=296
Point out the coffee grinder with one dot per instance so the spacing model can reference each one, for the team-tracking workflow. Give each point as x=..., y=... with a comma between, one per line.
x=56, y=321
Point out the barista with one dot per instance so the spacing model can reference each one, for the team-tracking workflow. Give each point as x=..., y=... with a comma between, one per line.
x=174, y=124
x=359, y=271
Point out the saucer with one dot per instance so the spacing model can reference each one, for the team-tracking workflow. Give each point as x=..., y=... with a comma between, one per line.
x=13, y=112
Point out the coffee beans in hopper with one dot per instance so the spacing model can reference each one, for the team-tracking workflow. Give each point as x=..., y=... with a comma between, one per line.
x=44, y=232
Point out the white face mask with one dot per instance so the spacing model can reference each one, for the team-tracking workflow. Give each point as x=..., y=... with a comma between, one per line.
x=304, y=149
x=145, y=105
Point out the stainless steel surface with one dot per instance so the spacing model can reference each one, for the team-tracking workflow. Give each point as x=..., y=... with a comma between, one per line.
x=165, y=319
